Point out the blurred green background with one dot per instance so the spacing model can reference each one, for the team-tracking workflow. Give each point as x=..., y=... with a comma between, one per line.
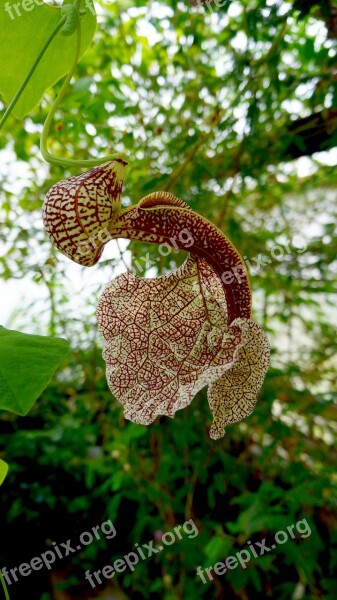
x=234, y=110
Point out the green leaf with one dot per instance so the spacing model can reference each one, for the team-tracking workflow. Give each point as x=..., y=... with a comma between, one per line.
x=27, y=363
x=24, y=31
x=3, y=471
x=218, y=547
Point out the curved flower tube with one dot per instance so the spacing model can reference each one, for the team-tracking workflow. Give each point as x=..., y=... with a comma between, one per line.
x=160, y=217
x=166, y=338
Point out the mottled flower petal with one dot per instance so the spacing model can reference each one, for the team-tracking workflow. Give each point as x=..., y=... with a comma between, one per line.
x=233, y=396
x=166, y=338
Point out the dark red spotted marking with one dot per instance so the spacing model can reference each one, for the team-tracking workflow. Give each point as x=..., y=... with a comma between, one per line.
x=78, y=210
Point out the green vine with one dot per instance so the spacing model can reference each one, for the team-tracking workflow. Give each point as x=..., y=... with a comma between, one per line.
x=69, y=23
x=4, y=586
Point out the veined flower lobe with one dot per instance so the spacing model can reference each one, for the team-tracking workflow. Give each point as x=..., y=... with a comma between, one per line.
x=166, y=338
x=78, y=210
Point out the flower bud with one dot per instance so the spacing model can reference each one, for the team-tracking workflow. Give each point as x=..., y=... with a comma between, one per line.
x=78, y=210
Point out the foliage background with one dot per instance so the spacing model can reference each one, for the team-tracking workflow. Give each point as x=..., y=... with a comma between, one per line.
x=233, y=110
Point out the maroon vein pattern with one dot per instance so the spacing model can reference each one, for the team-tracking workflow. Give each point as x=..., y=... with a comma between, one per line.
x=160, y=216
x=233, y=397
x=78, y=210
x=166, y=338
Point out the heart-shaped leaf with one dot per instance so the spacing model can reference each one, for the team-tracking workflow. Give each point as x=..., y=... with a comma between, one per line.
x=166, y=338
x=3, y=471
x=27, y=363
x=25, y=27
